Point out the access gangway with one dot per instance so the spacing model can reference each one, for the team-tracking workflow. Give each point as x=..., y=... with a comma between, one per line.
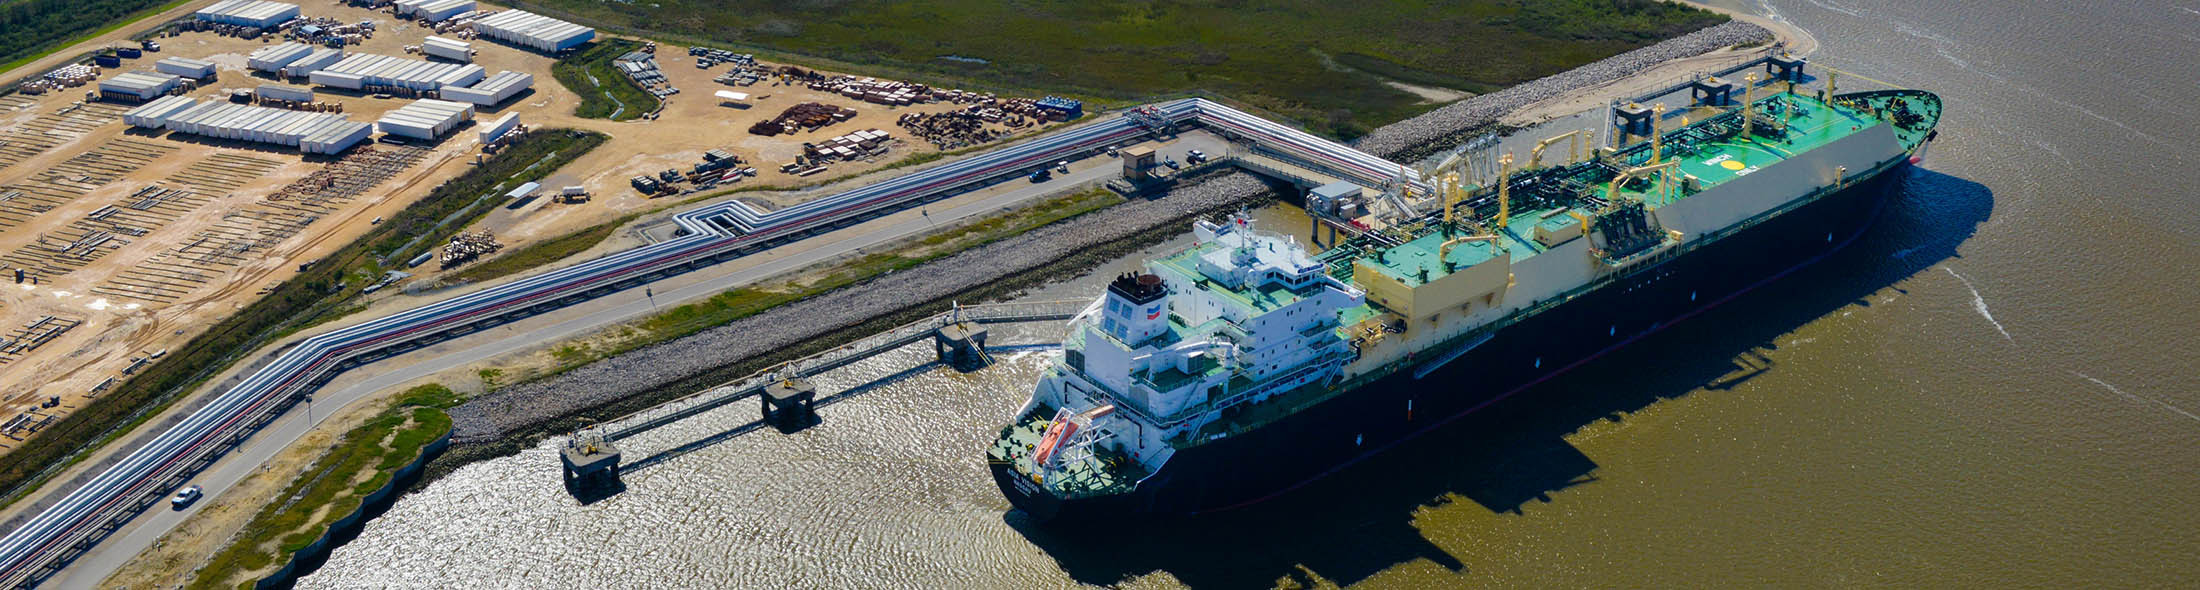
x=906, y=334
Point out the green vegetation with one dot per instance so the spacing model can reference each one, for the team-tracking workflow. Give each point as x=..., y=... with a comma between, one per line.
x=431, y=222
x=32, y=29
x=1265, y=54
x=747, y=301
x=539, y=253
x=605, y=92
x=362, y=461
x=324, y=290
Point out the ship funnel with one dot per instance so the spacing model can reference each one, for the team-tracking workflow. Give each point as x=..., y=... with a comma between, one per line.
x=1137, y=308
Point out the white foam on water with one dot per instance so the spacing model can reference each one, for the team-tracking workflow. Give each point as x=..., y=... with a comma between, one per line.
x=2135, y=398
x=1979, y=302
x=1837, y=8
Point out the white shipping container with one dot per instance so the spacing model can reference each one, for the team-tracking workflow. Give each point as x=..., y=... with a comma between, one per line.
x=314, y=62
x=336, y=79
x=286, y=92
x=186, y=67
x=272, y=59
x=450, y=49
x=496, y=128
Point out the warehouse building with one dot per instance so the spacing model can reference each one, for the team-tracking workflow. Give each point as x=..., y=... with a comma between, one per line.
x=138, y=86
x=272, y=59
x=496, y=128
x=451, y=49
x=434, y=11
x=492, y=91
x=533, y=31
x=366, y=70
x=312, y=133
x=250, y=13
x=196, y=69
x=313, y=62
x=425, y=119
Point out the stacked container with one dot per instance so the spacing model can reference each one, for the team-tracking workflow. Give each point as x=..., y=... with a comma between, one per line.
x=425, y=119
x=533, y=31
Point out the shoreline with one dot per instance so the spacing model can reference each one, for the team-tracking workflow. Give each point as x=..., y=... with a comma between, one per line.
x=474, y=425
x=507, y=434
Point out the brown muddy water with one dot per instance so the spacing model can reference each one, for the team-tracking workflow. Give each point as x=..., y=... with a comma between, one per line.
x=1995, y=387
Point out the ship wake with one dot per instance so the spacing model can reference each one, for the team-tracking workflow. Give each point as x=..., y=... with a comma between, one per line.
x=1978, y=302
x=2135, y=398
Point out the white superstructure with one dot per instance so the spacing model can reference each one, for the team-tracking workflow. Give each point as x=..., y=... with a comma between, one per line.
x=1240, y=316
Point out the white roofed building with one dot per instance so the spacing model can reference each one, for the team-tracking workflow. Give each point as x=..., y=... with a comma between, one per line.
x=250, y=13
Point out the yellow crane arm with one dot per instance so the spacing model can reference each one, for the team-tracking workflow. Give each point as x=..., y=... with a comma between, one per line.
x=1611, y=193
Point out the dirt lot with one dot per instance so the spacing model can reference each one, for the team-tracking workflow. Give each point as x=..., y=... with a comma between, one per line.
x=154, y=276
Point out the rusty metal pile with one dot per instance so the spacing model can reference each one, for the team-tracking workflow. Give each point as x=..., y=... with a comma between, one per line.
x=954, y=129
x=807, y=116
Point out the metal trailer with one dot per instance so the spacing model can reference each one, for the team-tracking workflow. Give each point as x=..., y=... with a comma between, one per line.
x=250, y=13
x=496, y=128
x=155, y=114
x=285, y=92
x=313, y=62
x=272, y=59
x=335, y=79
x=451, y=49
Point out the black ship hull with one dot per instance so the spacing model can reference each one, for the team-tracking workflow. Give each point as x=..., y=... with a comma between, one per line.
x=1248, y=468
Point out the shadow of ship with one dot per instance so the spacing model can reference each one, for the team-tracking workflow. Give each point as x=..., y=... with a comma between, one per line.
x=1360, y=521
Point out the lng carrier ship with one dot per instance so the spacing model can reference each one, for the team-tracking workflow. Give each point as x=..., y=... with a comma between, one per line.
x=1246, y=364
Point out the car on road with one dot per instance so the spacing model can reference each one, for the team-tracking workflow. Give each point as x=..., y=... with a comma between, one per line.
x=1195, y=156
x=185, y=497
x=1040, y=176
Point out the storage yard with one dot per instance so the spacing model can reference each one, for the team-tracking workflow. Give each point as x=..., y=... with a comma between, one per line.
x=878, y=132
x=211, y=168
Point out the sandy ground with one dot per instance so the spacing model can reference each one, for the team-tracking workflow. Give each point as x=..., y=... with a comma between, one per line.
x=116, y=331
